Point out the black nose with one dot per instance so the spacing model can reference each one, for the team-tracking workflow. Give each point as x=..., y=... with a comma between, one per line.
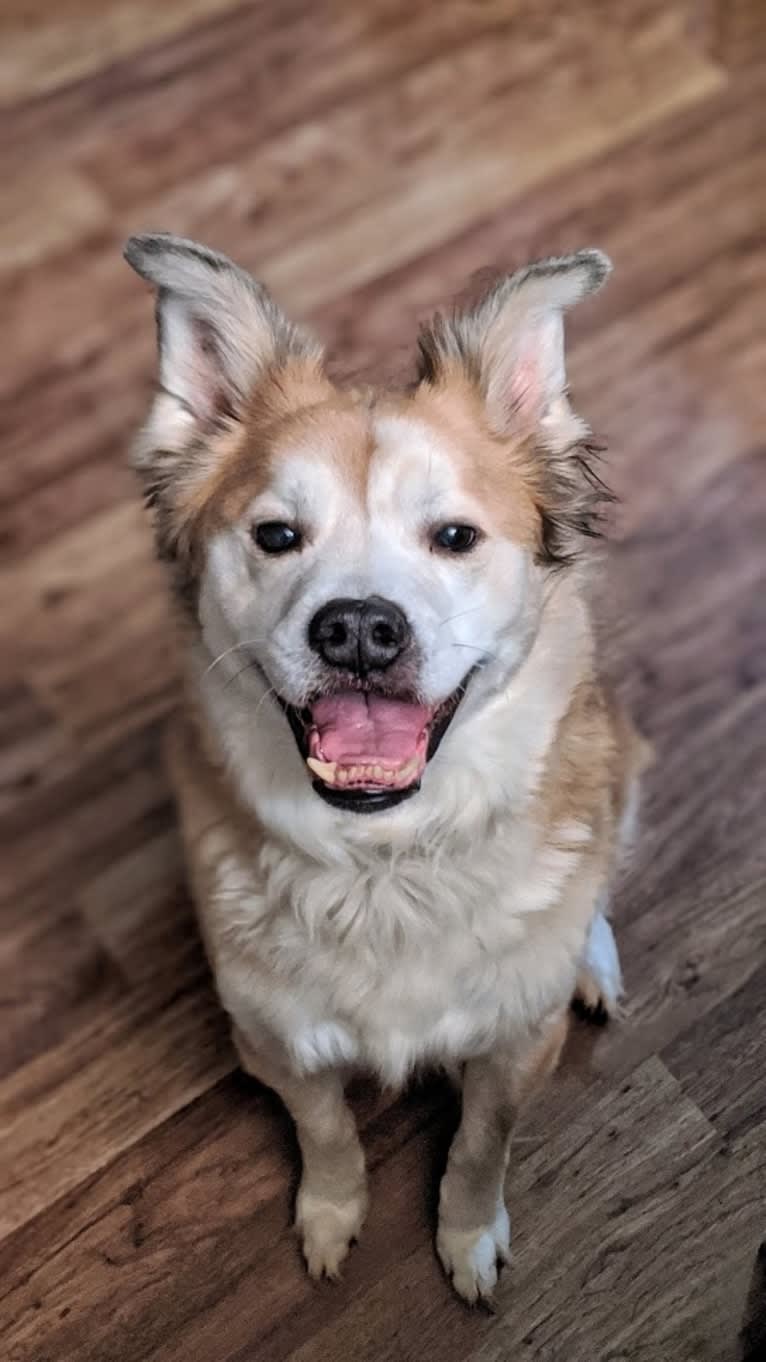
x=359, y=636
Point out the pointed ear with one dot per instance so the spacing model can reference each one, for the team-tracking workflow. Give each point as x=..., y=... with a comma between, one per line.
x=221, y=338
x=511, y=344
x=218, y=332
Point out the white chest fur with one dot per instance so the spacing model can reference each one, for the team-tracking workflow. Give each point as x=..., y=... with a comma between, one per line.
x=387, y=964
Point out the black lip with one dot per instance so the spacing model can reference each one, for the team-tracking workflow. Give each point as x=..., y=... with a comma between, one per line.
x=446, y=714
x=299, y=720
x=373, y=801
x=363, y=801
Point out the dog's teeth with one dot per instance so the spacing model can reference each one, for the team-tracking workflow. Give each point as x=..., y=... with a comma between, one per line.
x=408, y=769
x=334, y=774
x=324, y=769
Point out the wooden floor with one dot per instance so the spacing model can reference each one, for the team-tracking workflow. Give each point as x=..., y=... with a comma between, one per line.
x=365, y=159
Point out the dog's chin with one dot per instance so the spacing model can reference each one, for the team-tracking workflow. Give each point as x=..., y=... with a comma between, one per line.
x=367, y=750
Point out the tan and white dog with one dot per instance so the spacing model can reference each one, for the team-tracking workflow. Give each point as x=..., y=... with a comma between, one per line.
x=402, y=786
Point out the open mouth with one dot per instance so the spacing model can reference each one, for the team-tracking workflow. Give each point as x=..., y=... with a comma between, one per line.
x=367, y=751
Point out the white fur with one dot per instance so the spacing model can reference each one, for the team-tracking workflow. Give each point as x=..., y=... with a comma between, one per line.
x=470, y=1257
x=327, y=1230
x=601, y=961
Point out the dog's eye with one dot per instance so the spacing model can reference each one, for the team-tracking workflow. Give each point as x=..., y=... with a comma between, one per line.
x=273, y=536
x=455, y=538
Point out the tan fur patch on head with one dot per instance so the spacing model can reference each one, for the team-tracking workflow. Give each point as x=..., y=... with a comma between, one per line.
x=495, y=471
x=296, y=407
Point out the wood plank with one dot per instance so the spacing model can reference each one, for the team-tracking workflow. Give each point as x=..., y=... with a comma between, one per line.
x=99, y=589
x=233, y=1153
x=47, y=214
x=139, y=908
x=44, y=47
x=68, y=1113
x=30, y=740
x=678, y=240
x=375, y=149
x=659, y=1257
x=91, y=812
x=379, y=144
x=739, y=34
x=720, y=1062
x=54, y=976
x=287, y=62
x=73, y=426
x=138, y=1218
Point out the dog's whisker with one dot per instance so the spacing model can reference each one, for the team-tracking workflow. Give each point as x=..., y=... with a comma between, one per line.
x=247, y=667
x=271, y=691
x=551, y=587
x=460, y=614
x=235, y=647
x=486, y=653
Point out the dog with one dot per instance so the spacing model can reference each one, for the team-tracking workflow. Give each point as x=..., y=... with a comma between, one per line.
x=403, y=788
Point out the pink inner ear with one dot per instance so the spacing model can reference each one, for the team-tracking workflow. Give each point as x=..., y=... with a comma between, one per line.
x=204, y=378
x=516, y=393
x=190, y=365
x=526, y=368
x=525, y=386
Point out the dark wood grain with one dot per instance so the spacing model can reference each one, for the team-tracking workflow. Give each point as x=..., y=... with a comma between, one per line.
x=367, y=160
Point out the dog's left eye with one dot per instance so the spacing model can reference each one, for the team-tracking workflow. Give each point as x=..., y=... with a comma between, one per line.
x=274, y=536
x=455, y=538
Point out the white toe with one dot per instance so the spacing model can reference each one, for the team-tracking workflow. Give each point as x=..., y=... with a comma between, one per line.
x=600, y=977
x=470, y=1257
x=327, y=1231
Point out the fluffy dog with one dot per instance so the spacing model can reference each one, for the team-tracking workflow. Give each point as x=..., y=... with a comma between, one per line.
x=402, y=785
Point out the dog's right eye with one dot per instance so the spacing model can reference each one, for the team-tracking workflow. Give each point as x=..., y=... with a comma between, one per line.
x=274, y=536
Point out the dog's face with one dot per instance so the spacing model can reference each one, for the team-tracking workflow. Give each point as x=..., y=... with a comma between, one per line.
x=366, y=558
x=369, y=572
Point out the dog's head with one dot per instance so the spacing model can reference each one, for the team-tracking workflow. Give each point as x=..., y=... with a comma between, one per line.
x=362, y=559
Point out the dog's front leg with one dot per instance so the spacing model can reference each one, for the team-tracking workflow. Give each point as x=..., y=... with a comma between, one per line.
x=332, y=1197
x=474, y=1229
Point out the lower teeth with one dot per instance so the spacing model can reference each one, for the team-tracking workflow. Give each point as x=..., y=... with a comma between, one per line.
x=333, y=774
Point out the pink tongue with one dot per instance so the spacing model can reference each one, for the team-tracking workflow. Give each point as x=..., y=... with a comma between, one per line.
x=352, y=727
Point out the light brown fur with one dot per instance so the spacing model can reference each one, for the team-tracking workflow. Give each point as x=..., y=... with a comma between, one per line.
x=493, y=470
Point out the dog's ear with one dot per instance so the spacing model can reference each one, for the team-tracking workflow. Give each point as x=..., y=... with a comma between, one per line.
x=511, y=345
x=510, y=348
x=221, y=339
x=218, y=331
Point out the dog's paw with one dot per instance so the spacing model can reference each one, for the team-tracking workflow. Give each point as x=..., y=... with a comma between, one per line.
x=470, y=1257
x=327, y=1230
x=599, y=978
